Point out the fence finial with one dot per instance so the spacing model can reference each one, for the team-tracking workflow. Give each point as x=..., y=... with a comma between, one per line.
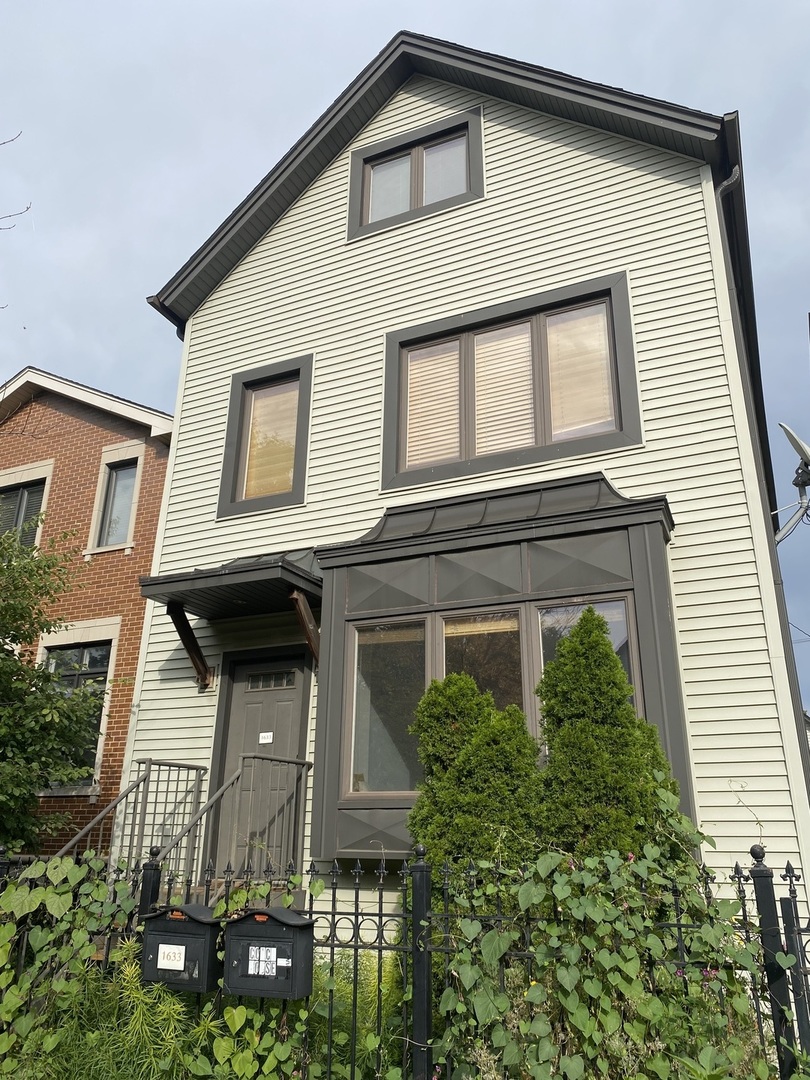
x=758, y=853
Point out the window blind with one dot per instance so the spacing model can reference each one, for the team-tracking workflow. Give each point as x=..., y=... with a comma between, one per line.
x=268, y=448
x=580, y=376
x=433, y=415
x=504, y=390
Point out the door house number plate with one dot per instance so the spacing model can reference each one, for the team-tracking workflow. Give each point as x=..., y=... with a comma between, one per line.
x=171, y=958
x=265, y=737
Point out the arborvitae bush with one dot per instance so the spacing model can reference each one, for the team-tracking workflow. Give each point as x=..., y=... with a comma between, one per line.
x=598, y=789
x=480, y=796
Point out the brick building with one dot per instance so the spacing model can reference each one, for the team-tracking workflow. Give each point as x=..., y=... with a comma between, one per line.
x=94, y=465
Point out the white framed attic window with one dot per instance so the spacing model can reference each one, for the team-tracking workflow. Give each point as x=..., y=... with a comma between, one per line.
x=112, y=527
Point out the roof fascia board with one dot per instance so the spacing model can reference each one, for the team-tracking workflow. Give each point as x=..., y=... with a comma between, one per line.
x=31, y=381
x=605, y=99
x=404, y=56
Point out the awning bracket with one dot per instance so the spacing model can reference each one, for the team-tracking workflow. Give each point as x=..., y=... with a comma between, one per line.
x=177, y=614
x=307, y=621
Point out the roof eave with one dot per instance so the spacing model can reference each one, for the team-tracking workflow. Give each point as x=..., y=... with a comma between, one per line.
x=671, y=126
x=30, y=381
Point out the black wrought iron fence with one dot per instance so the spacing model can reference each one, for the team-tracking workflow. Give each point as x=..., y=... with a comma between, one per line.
x=387, y=948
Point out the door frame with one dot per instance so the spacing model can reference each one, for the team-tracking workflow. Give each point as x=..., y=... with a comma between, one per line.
x=230, y=660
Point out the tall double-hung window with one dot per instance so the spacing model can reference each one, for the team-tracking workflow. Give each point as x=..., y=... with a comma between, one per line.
x=541, y=378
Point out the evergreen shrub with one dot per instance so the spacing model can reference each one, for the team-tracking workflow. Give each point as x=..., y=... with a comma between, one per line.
x=480, y=795
x=605, y=763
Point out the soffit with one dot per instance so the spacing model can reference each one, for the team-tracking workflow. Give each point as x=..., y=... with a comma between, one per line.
x=254, y=585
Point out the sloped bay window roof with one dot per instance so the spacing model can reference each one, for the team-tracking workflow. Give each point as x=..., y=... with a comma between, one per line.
x=487, y=584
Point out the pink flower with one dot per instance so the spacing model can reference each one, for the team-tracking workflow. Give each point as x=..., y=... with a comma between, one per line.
x=631, y=857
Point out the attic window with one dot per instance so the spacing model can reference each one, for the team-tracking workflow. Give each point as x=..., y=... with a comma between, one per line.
x=420, y=173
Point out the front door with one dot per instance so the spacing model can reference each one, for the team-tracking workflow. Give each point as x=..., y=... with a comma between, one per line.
x=260, y=816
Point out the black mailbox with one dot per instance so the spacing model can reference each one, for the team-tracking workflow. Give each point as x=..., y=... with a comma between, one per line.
x=268, y=953
x=180, y=948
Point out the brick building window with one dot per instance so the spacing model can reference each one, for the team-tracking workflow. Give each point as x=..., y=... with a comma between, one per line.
x=83, y=665
x=19, y=506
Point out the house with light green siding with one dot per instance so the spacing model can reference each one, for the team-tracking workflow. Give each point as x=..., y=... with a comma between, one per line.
x=480, y=350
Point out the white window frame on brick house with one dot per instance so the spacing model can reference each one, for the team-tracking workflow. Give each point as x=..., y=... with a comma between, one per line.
x=30, y=474
x=78, y=633
x=112, y=457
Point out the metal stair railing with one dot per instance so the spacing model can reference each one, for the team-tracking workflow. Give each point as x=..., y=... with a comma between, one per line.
x=161, y=796
x=259, y=809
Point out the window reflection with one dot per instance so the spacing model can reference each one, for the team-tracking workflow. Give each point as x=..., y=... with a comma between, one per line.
x=557, y=622
x=487, y=647
x=389, y=682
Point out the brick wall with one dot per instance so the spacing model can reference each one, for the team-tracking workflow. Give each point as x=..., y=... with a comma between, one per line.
x=52, y=427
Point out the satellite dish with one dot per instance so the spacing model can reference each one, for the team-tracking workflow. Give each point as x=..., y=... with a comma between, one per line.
x=799, y=445
x=801, y=480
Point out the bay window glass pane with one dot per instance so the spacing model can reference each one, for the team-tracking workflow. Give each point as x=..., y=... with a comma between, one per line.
x=504, y=389
x=580, y=372
x=390, y=188
x=487, y=647
x=433, y=430
x=389, y=681
x=557, y=623
x=118, y=503
x=445, y=166
x=267, y=455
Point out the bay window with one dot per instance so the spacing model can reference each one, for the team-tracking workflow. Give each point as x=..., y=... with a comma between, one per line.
x=486, y=583
x=503, y=649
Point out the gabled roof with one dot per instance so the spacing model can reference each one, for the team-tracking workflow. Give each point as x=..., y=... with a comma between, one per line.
x=31, y=381
x=702, y=136
x=671, y=127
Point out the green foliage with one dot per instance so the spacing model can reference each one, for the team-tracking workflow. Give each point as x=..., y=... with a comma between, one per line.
x=62, y=1017
x=598, y=989
x=480, y=795
x=44, y=732
x=598, y=789
x=594, y=988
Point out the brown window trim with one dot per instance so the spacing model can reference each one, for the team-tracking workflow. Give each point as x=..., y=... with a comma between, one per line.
x=613, y=288
x=469, y=123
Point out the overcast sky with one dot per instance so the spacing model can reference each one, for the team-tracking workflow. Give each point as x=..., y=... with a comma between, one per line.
x=143, y=124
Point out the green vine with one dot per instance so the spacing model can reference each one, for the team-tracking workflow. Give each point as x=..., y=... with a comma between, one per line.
x=583, y=976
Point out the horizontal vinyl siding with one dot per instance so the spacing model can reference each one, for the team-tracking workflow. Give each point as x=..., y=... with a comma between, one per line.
x=563, y=204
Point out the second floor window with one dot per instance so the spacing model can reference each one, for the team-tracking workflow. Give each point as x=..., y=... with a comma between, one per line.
x=19, y=505
x=537, y=379
x=118, y=498
x=535, y=382
x=264, y=464
x=267, y=453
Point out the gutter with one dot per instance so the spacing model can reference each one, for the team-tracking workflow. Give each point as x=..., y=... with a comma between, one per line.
x=167, y=313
